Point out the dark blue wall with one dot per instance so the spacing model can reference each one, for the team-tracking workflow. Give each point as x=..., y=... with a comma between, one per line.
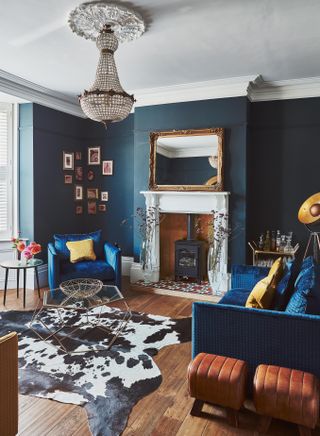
x=271, y=166
x=116, y=144
x=26, y=197
x=284, y=155
x=47, y=205
x=230, y=113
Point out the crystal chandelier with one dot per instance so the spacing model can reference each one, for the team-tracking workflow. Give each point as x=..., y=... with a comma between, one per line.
x=106, y=23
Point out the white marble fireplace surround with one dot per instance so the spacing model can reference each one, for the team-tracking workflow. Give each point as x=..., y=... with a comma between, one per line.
x=186, y=202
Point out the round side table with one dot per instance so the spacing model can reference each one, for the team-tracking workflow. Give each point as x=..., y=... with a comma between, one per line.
x=18, y=265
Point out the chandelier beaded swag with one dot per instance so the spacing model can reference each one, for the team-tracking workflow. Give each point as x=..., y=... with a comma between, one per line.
x=107, y=24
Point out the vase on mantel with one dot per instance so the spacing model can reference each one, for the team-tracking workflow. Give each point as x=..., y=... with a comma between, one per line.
x=213, y=269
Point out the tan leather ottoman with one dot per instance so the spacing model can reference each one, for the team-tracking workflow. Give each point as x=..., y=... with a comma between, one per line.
x=217, y=380
x=286, y=394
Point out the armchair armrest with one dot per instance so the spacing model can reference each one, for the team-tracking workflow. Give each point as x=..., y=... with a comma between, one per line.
x=113, y=258
x=53, y=267
x=247, y=276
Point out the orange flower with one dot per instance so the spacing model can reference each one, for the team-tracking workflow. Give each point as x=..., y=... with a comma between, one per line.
x=21, y=246
x=35, y=248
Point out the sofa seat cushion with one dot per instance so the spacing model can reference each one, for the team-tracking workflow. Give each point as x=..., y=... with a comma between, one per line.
x=236, y=297
x=88, y=269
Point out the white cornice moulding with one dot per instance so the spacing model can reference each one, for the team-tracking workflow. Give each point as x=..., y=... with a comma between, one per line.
x=212, y=89
x=14, y=85
x=253, y=87
x=262, y=90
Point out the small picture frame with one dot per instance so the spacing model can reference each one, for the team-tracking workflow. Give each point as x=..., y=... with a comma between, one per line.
x=92, y=193
x=68, y=160
x=78, y=192
x=79, y=174
x=78, y=155
x=68, y=179
x=79, y=209
x=90, y=175
x=104, y=196
x=92, y=207
x=107, y=167
x=94, y=155
x=102, y=208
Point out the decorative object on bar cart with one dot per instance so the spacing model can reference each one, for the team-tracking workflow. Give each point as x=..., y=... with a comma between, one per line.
x=309, y=215
x=271, y=245
x=217, y=233
x=107, y=24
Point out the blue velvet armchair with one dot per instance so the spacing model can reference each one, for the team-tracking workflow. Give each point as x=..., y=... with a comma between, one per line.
x=107, y=266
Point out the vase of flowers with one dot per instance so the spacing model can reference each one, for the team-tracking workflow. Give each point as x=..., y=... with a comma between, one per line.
x=147, y=221
x=220, y=231
x=18, y=245
x=27, y=252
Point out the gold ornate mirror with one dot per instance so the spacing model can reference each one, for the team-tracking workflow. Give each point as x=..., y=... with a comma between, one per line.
x=186, y=160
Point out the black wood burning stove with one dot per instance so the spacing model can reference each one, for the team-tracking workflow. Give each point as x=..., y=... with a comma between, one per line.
x=190, y=256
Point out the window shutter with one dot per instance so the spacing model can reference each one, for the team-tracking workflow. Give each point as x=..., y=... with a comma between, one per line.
x=5, y=170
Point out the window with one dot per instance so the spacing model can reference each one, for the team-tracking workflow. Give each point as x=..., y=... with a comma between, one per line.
x=6, y=171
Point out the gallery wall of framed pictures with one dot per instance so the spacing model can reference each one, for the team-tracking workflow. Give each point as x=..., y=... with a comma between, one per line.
x=76, y=172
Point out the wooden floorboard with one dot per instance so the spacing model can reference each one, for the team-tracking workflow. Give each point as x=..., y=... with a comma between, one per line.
x=164, y=412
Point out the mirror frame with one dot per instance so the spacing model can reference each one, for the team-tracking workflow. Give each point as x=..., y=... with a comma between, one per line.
x=218, y=131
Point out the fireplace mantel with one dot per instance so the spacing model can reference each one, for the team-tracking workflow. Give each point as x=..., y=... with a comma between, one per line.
x=186, y=202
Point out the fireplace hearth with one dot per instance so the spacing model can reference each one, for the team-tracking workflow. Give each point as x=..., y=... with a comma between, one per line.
x=190, y=256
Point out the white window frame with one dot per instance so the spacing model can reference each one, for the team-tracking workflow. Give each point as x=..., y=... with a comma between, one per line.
x=12, y=171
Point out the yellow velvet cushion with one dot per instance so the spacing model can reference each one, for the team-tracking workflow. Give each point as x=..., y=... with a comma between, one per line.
x=81, y=250
x=277, y=270
x=262, y=294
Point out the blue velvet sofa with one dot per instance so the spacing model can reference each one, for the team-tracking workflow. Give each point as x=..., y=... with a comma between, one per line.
x=257, y=336
x=107, y=266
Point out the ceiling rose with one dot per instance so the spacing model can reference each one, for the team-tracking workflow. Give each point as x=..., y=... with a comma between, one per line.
x=88, y=19
x=107, y=24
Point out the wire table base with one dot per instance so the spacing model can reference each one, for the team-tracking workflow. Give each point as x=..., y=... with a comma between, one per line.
x=58, y=333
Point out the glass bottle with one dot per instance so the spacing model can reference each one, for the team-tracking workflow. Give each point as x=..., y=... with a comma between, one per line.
x=282, y=243
x=261, y=242
x=278, y=240
x=273, y=240
x=267, y=241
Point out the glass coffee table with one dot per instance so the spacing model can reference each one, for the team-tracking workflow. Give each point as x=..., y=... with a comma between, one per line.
x=88, y=309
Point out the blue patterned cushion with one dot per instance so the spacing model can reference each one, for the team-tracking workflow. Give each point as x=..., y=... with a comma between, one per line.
x=235, y=297
x=247, y=276
x=61, y=240
x=304, y=298
x=282, y=293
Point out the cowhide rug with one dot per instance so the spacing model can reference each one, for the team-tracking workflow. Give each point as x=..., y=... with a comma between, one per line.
x=107, y=383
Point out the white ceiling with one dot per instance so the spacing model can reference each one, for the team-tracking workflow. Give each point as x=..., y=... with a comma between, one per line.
x=187, y=41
